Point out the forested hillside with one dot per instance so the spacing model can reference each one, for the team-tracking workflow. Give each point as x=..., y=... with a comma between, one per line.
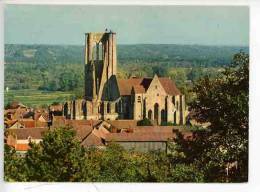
x=50, y=68
x=180, y=55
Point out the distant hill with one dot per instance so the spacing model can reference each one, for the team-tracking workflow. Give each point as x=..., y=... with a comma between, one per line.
x=180, y=55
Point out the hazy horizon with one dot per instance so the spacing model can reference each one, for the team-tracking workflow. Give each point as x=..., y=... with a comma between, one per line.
x=180, y=25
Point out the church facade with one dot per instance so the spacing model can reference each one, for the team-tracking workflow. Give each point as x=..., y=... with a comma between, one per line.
x=109, y=98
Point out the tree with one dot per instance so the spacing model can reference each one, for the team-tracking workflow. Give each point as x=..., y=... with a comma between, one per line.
x=144, y=122
x=224, y=103
x=161, y=71
x=59, y=157
x=14, y=165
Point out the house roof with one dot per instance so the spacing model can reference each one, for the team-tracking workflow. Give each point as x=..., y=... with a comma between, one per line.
x=140, y=85
x=122, y=124
x=24, y=133
x=22, y=147
x=82, y=131
x=92, y=140
x=9, y=123
x=28, y=123
x=16, y=104
x=139, y=137
x=151, y=136
x=83, y=122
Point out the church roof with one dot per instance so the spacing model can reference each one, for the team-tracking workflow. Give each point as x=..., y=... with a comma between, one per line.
x=139, y=89
x=125, y=85
x=140, y=85
x=169, y=86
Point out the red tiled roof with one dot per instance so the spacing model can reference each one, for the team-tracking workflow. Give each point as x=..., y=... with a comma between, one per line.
x=125, y=85
x=83, y=122
x=92, y=140
x=28, y=123
x=139, y=89
x=162, y=133
x=169, y=86
x=122, y=124
x=24, y=133
x=16, y=104
x=82, y=131
x=101, y=132
x=22, y=147
x=162, y=129
x=140, y=85
x=131, y=137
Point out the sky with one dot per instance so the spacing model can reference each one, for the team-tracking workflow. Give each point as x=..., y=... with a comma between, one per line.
x=66, y=24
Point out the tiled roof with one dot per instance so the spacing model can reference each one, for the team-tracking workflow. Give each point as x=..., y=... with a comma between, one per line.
x=169, y=86
x=28, y=123
x=162, y=129
x=9, y=123
x=140, y=85
x=139, y=89
x=101, y=132
x=22, y=147
x=82, y=131
x=132, y=137
x=16, y=104
x=24, y=133
x=148, y=136
x=125, y=85
x=83, y=122
x=92, y=140
x=123, y=124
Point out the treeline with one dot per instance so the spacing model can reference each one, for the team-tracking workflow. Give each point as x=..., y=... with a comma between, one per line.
x=173, y=55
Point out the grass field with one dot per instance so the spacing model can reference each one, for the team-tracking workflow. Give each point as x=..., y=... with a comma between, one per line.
x=36, y=98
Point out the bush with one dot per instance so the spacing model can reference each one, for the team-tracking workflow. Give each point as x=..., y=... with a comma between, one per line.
x=168, y=124
x=144, y=122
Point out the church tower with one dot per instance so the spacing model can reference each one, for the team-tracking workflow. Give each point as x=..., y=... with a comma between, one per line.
x=100, y=66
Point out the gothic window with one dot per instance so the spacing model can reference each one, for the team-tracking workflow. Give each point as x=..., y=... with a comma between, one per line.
x=108, y=108
x=173, y=100
x=150, y=114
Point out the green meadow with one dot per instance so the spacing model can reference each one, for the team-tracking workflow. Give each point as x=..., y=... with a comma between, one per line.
x=36, y=98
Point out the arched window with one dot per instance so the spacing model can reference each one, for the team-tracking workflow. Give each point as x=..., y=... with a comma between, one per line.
x=108, y=108
x=84, y=109
x=163, y=116
x=150, y=114
x=156, y=112
x=173, y=100
x=65, y=110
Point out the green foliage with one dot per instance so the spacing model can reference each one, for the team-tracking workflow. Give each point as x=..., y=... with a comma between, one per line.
x=224, y=103
x=144, y=122
x=163, y=123
x=14, y=165
x=59, y=157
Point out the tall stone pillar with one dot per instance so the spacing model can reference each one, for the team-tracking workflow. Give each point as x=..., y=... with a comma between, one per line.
x=110, y=54
x=114, y=58
x=170, y=111
x=89, y=48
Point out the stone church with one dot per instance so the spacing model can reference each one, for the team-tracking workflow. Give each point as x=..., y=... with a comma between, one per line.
x=109, y=98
